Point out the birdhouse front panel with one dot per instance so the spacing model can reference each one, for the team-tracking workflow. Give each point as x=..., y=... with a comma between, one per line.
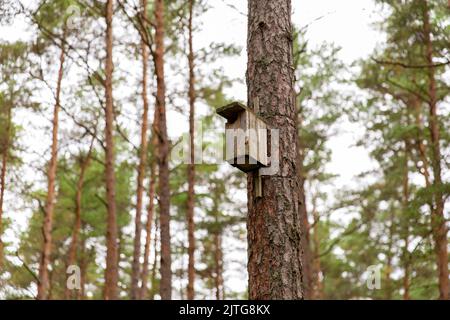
x=246, y=138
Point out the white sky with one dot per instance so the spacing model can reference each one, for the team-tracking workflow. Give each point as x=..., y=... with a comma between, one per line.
x=344, y=22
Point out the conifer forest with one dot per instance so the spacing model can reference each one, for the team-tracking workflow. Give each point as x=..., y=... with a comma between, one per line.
x=224, y=149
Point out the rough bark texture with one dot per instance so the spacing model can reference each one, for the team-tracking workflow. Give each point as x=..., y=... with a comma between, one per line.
x=437, y=219
x=135, y=269
x=191, y=166
x=3, y=179
x=163, y=155
x=148, y=238
x=274, y=222
x=43, y=285
x=111, y=271
x=72, y=256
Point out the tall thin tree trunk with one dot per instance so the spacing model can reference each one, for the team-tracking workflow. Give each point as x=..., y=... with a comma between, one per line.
x=316, y=268
x=84, y=261
x=135, y=270
x=406, y=254
x=163, y=155
x=148, y=237
x=72, y=256
x=274, y=222
x=437, y=220
x=112, y=268
x=191, y=165
x=3, y=178
x=155, y=261
x=43, y=285
x=218, y=259
x=389, y=254
x=306, y=244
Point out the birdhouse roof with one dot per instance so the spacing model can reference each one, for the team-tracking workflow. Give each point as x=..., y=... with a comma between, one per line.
x=232, y=110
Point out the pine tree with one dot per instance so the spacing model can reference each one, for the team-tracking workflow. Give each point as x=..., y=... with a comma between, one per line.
x=163, y=154
x=274, y=223
x=191, y=166
x=111, y=271
x=135, y=272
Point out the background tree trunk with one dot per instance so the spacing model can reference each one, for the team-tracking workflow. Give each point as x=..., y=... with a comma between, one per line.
x=43, y=285
x=191, y=165
x=274, y=221
x=148, y=228
x=306, y=244
x=437, y=219
x=155, y=261
x=406, y=254
x=3, y=178
x=163, y=155
x=84, y=164
x=135, y=269
x=111, y=271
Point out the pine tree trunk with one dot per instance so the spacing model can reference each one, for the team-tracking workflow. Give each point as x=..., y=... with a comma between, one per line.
x=316, y=267
x=406, y=254
x=72, y=256
x=84, y=261
x=437, y=220
x=274, y=221
x=135, y=270
x=388, y=280
x=3, y=179
x=43, y=285
x=155, y=261
x=111, y=271
x=163, y=155
x=148, y=228
x=78, y=221
x=191, y=165
x=306, y=245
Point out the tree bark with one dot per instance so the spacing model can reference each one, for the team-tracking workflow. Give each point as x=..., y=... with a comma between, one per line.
x=111, y=271
x=274, y=221
x=148, y=238
x=437, y=219
x=72, y=256
x=135, y=270
x=191, y=165
x=43, y=285
x=163, y=155
x=3, y=178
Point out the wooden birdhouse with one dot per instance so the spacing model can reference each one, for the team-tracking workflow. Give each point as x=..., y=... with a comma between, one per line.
x=246, y=137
